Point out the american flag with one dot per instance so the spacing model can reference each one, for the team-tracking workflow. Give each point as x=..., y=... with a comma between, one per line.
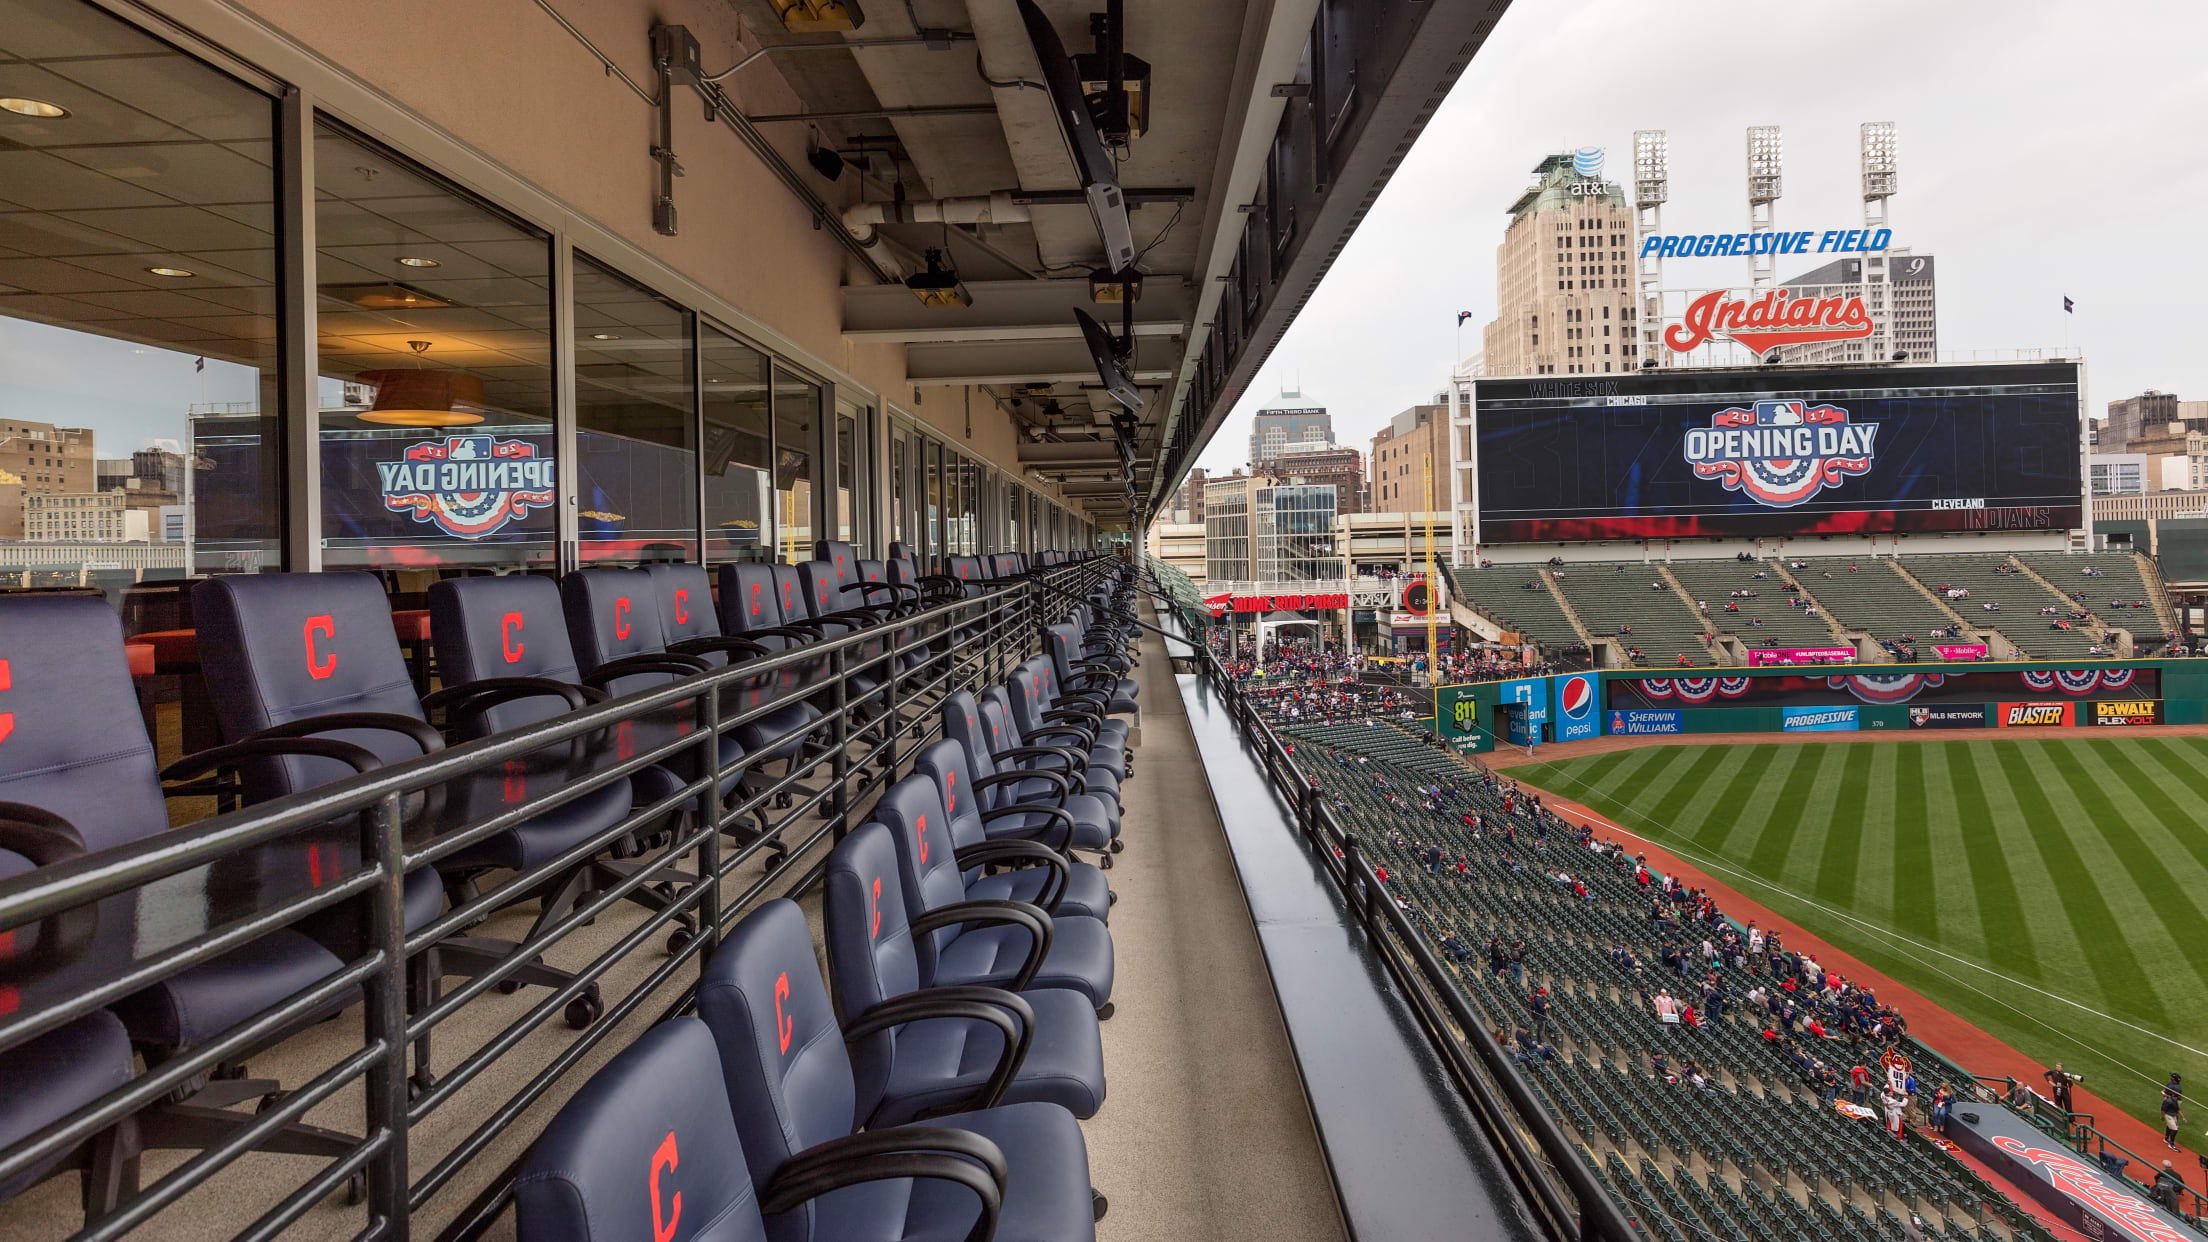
x=2069, y=307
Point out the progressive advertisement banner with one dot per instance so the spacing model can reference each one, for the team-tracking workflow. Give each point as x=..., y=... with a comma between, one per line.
x=1647, y=720
x=2037, y=715
x=1818, y=719
x=1948, y=716
x=1577, y=715
x=2127, y=712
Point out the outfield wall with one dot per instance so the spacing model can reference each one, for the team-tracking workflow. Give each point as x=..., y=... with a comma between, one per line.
x=2024, y=695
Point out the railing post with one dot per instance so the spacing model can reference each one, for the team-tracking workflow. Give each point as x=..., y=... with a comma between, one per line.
x=1353, y=882
x=709, y=815
x=839, y=763
x=384, y=1015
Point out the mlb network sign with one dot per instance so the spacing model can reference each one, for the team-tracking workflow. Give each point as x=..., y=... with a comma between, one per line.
x=1576, y=716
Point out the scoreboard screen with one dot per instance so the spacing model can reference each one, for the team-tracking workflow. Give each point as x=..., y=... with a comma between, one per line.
x=1780, y=451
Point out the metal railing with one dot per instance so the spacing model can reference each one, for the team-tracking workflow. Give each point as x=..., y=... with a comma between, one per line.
x=1540, y=1158
x=2077, y=1131
x=855, y=748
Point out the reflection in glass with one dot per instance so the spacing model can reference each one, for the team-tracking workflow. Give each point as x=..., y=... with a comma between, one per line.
x=933, y=466
x=796, y=415
x=634, y=417
x=899, y=507
x=138, y=428
x=415, y=276
x=847, y=447
x=738, y=451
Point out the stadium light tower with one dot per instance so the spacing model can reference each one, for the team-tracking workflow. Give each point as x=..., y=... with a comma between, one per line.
x=1880, y=179
x=1764, y=152
x=1651, y=187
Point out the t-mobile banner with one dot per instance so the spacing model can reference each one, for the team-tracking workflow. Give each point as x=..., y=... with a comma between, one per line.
x=1801, y=655
x=1959, y=651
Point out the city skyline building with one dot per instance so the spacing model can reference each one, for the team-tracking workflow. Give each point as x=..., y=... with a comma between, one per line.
x=1399, y=457
x=1277, y=427
x=1564, y=276
x=1912, y=308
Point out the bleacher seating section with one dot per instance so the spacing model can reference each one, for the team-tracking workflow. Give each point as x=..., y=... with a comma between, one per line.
x=1755, y=1154
x=1866, y=594
x=1501, y=592
x=1993, y=580
x=1782, y=624
x=2123, y=577
x=1607, y=595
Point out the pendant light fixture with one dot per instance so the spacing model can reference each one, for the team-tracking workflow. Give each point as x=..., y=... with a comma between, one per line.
x=423, y=398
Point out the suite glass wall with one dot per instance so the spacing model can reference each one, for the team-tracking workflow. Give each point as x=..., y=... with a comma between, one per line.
x=636, y=422
x=796, y=423
x=140, y=334
x=737, y=450
x=437, y=438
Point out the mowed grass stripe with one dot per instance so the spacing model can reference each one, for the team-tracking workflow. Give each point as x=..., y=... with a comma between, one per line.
x=1916, y=907
x=2006, y=935
x=1834, y=882
x=1787, y=828
x=2184, y=767
x=2165, y=895
x=1658, y=775
x=2123, y=981
x=1695, y=781
x=1728, y=807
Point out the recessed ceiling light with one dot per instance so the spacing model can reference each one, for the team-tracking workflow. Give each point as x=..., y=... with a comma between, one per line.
x=605, y=336
x=32, y=107
x=173, y=272
x=412, y=261
x=710, y=379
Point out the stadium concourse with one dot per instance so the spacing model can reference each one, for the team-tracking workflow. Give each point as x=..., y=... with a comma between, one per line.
x=1684, y=612
x=1720, y=1084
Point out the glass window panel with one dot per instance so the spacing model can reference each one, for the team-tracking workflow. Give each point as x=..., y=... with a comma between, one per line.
x=635, y=421
x=435, y=315
x=900, y=507
x=796, y=420
x=970, y=505
x=738, y=451
x=138, y=317
x=847, y=450
x=934, y=465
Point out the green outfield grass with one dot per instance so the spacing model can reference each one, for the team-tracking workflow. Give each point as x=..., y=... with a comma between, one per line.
x=2078, y=867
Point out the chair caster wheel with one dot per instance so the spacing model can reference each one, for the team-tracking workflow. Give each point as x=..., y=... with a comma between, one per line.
x=584, y=1010
x=679, y=939
x=267, y=1102
x=356, y=1190
x=507, y=987
x=1104, y=862
x=1098, y=1204
x=1118, y=846
x=1104, y=1011
x=1113, y=896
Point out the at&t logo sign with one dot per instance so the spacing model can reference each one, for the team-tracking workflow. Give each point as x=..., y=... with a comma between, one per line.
x=1781, y=453
x=468, y=486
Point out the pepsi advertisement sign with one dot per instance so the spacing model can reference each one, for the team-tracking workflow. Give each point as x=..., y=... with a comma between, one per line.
x=1633, y=720
x=1709, y=452
x=1576, y=714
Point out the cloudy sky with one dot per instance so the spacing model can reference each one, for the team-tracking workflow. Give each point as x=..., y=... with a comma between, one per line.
x=2045, y=149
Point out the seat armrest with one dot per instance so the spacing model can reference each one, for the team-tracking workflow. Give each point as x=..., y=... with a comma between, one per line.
x=1087, y=738
x=995, y=779
x=995, y=914
x=646, y=662
x=1058, y=815
x=1001, y=1009
x=900, y=1152
x=725, y=644
x=38, y=834
x=421, y=732
x=220, y=759
x=473, y=698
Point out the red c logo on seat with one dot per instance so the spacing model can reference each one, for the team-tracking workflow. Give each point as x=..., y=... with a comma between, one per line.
x=509, y=637
x=621, y=617
x=317, y=667
x=922, y=835
x=755, y=606
x=783, y=1027
x=666, y=1157
x=952, y=779
x=682, y=605
x=7, y=719
x=874, y=907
